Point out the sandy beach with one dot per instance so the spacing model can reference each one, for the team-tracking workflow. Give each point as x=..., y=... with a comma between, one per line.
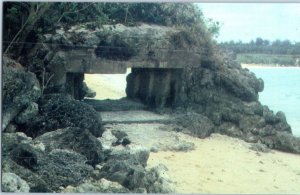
x=221, y=164
x=218, y=164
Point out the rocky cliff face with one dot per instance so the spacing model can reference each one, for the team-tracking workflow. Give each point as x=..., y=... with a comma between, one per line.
x=228, y=97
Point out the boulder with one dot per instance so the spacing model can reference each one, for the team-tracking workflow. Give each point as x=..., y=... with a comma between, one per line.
x=43, y=170
x=107, y=139
x=57, y=111
x=10, y=128
x=259, y=147
x=20, y=156
x=12, y=140
x=283, y=141
x=13, y=183
x=22, y=150
x=196, y=124
x=159, y=181
x=239, y=83
x=127, y=167
x=33, y=179
x=132, y=151
x=128, y=172
x=20, y=89
x=28, y=155
x=63, y=168
x=76, y=139
x=122, y=138
x=29, y=113
x=48, y=172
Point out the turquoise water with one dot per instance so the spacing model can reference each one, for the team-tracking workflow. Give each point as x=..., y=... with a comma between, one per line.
x=282, y=92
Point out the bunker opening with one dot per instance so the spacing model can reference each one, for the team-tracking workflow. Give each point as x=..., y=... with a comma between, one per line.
x=105, y=86
x=154, y=87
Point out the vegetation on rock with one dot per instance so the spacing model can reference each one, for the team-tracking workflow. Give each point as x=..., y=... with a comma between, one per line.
x=38, y=18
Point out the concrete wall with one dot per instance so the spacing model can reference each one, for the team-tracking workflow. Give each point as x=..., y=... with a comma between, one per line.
x=155, y=87
x=156, y=54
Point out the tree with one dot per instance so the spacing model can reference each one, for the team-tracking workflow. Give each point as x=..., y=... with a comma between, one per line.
x=35, y=11
x=259, y=41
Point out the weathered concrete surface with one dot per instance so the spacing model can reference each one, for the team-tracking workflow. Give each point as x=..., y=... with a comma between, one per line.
x=85, y=61
x=123, y=104
x=69, y=53
x=155, y=87
x=113, y=48
x=134, y=116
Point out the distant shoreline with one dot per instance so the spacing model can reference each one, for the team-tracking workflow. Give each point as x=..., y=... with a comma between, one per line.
x=266, y=66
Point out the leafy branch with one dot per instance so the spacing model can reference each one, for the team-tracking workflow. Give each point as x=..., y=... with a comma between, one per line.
x=71, y=12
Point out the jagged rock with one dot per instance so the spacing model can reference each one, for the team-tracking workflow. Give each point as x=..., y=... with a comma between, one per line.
x=281, y=116
x=43, y=170
x=58, y=111
x=107, y=139
x=76, y=139
x=127, y=166
x=128, y=172
x=35, y=182
x=283, y=141
x=228, y=96
x=63, y=168
x=10, y=128
x=22, y=150
x=122, y=138
x=132, y=151
x=119, y=134
x=28, y=155
x=196, y=124
x=269, y=116
x=13, y=183
x=240, y=83
x=159, y=181
x=258, y=147
x=29, y=113
x=100, y=186
x=181, y=146
x=20, y=156
x=20, y=89
x=47, y=172
x=11, y=141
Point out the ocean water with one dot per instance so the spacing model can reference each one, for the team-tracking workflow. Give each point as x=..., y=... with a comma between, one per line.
x=282, y=92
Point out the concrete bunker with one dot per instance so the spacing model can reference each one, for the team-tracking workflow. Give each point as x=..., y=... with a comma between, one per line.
x=156, y=59
x=153, y=86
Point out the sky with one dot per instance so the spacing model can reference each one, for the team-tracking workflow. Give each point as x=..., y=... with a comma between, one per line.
x=247, y=21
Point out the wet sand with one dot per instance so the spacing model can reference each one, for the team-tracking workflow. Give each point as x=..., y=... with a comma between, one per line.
x=219, y=164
